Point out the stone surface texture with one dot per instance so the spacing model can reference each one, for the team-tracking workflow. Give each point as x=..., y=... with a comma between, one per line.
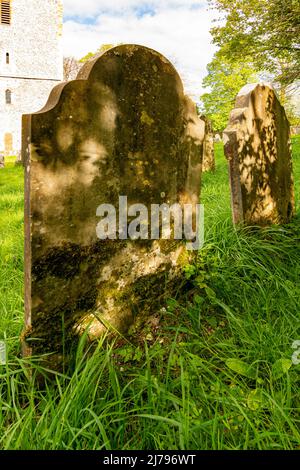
x=124, y=127
x=209, y=162
x=258, y=149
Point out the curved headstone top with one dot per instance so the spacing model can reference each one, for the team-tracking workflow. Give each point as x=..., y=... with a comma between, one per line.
x=247, y=89
x=123, y=128
x=125, y=52
x=258, y=148
x=102, y=64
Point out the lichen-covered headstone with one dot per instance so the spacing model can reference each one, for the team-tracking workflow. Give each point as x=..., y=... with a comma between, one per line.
x=258, y=149
x=123, y=128
x=209, y=163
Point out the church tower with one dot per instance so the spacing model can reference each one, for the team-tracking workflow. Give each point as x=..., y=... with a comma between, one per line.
x=31, y=62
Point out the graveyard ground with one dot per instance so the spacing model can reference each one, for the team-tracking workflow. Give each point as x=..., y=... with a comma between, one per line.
x=213, y=371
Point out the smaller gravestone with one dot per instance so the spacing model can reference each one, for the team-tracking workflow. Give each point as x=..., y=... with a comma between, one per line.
x=209, y=163
x=258, y=149
x=295, y=130
x=19, y=161
x=2, y=160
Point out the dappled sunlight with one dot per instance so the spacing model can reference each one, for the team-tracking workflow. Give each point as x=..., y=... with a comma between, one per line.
x=257, y=145
x=124, y=128
x=91, y=154
x=65, y=136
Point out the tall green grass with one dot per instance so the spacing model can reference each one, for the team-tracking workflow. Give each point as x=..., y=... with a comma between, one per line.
x=11, y=252
x=213, y=371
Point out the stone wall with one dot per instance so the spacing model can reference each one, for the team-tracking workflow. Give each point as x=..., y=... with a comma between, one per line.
x=33, y=42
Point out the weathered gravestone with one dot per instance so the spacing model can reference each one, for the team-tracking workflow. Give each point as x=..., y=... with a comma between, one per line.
x=258, y=149
x=295, y=130
x=19, y=161
x=2, y=164
x=123, y=128
x=209, y=163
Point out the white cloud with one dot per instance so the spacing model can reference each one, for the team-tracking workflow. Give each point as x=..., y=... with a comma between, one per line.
x=176, y=30
x=86, y=8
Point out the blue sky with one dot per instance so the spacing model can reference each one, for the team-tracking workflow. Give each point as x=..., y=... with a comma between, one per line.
x=179, y=29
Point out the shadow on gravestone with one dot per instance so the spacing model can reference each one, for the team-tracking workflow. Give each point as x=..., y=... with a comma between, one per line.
x=123, y=128
x=258, y=149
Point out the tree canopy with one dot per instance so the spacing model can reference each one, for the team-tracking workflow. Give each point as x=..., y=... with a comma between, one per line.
x=225, y=79
x=256, y=39
x=103, y=48
x=265, y=32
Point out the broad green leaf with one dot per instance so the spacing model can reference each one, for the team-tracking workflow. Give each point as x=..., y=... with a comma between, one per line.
x=280, y=368
x=210, y=293
x=200, y=278
x=255, y=399
x=198, y=300
x=241, y=368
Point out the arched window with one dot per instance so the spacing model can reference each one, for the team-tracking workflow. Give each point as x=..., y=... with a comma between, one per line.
x=5, y=11
x=8, y=96
x=7, y=57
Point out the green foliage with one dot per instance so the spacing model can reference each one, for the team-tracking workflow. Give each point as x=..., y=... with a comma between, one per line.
x=215, y=372
x=100, y=50
x=280, y=368
x=292, y=113
x=11, y=249
x=225, y=79
x=265, y=32
x=241, y=368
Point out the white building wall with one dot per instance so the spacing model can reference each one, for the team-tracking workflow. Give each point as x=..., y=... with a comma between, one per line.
x=33, y=41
